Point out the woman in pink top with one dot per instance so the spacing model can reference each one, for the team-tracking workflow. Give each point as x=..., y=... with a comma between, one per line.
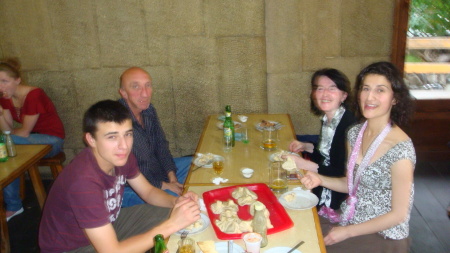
x=34, y=111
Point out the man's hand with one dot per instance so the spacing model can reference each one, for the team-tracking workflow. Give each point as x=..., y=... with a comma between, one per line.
x=175, y=187
x=336, y=234
x=311, y=180
x=190, y=195
x=185, y=212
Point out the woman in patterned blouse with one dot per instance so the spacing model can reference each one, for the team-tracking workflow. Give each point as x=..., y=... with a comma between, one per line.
x=379, y=180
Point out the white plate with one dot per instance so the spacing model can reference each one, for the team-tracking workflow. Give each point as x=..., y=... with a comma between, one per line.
x=280, y=250
x=237, y=125
x=194, y=231
x=303, y=200
x=197, y=162
x=272, y=156
x=276, y=126
x=222, y=247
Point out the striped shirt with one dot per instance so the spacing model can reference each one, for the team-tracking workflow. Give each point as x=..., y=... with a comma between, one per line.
x=151, y=147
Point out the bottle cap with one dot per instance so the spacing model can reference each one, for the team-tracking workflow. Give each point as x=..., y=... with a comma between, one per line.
x=259, y=206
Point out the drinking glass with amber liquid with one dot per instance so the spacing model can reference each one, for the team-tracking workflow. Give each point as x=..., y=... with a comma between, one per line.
x=218, y=162
x=277, y=178
x=269, y=139
x=186, y=245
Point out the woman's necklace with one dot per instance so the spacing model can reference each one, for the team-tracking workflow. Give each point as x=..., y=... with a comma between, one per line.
x=17, y=103
x=354, y=178
x=364, y=151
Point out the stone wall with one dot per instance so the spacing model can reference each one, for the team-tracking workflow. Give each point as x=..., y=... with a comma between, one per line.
x=256, y=55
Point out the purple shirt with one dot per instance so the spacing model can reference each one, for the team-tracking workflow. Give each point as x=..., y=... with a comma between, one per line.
x=83, y=196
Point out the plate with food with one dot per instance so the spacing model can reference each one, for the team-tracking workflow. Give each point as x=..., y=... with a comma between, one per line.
x=268, y=125
x=276, y=157
x=278, y=216
x=298, y=200
x=205, y=160
x=280, y=249
x=220, y=247
x=237, y=125
x=197, y=227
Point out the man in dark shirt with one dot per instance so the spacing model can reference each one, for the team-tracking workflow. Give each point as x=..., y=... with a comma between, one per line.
x=150, y=145
x=82, y=212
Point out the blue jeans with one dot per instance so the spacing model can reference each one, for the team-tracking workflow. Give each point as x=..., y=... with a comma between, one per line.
x=130, y=198
x=11, y=192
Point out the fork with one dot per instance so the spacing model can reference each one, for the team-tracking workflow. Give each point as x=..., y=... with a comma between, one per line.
x=183, y=236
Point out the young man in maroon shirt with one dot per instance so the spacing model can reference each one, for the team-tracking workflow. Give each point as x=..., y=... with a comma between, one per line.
x=81, y=213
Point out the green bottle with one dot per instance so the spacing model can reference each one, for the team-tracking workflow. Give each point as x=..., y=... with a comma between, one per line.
x=3, y=150
x=228, y=126
x=160, y=245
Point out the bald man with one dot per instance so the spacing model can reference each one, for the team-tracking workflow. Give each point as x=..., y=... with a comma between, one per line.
x=150, y=145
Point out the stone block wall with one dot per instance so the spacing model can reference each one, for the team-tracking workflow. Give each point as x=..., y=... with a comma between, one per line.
x=257, y=55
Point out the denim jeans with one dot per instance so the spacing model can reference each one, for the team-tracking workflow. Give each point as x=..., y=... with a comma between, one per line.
x=11, y=192
x=130, y=198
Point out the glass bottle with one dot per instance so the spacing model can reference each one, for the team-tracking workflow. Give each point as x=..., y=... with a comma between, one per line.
x=10, y=147
x=260, y=222
x=160, y=245
x=3, y=150
x=228, y=126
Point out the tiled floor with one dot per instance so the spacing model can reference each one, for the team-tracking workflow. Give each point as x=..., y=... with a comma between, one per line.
x=430, y=226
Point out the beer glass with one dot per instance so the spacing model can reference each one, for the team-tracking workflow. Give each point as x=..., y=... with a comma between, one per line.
x=218, y=165
x=269, y=138
x=186, y=245
x=278, y=182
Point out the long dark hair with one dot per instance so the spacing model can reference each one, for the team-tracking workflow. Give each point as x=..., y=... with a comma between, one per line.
x=339, y=78
x=404, y=107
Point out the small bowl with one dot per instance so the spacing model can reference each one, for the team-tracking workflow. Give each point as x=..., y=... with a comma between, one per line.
x=242, y=118
x=247, y=172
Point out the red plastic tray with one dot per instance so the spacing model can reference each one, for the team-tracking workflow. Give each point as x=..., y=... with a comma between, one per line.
x=278, y=216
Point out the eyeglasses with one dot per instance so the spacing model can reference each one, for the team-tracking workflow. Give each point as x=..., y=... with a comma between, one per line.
x=323, y=89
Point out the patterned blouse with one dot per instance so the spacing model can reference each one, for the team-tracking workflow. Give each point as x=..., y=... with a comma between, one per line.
x=374, y=192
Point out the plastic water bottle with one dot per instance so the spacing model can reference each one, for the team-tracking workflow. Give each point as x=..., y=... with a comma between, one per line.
x=10, y=147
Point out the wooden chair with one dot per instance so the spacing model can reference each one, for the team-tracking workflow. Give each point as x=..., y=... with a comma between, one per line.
x=55, y=164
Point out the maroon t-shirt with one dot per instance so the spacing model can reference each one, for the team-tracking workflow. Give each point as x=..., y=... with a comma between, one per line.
x=83, y=196
x=37, y=102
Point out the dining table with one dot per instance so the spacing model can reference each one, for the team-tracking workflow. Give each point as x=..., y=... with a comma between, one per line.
x=26, y=160
x=306, y=225
x=249, y=155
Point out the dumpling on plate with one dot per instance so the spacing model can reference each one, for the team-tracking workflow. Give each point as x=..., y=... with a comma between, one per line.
x=197, y=224
x=246, y=200
x=289, y=164
x=228, y=226
x=217, y=207
x=246, y=226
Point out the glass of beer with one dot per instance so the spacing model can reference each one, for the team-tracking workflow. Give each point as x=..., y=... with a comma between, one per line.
x=186, y=245
x=269, y=138
x=218, y=162
x=278, y=182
